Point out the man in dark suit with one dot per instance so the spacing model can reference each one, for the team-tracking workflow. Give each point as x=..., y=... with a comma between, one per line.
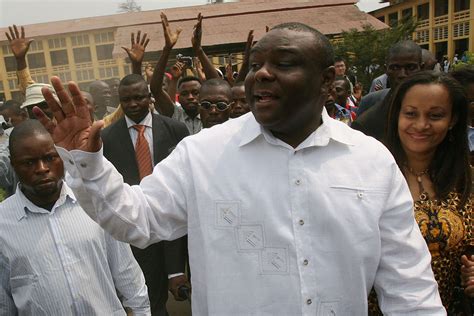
x=134, y=144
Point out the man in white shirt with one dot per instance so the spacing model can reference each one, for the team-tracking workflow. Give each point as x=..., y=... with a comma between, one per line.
x=276, y=226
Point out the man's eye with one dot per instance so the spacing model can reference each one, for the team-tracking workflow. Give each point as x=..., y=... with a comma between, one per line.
x=409, y=114
x=255, y=66
x=436, y=116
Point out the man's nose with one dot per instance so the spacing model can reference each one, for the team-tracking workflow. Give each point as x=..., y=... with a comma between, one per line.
x=264, y=73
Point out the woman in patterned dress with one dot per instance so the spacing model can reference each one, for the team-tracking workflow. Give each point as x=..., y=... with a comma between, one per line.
x=427, y=134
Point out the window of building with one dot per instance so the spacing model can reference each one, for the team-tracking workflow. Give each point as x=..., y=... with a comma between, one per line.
x=6, y=50
x=381, y=18
x=10, y=63
x=108, y=72
x=82, y=55
x=2, y=96
x=36, y=60
x=461, y=5
x=127, y=69
x=104, y=51
x=105, y=37
x=64, y=76
x=57, y=43
x=407, y=13
x=441, y=7
x=86, y=74
x=1, y=85
x=12, y=84
x=59, y=57
x=41, y=79
x=36, y=45
x=423, y=11
x=80, y=40
x=18, y=96
x=393, y=19
x=84, y=86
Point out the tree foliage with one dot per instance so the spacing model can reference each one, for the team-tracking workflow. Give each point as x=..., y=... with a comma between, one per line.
x=365, y=51
x=129, y=6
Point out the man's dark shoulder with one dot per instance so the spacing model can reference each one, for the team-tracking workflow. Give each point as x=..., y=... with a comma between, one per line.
x=177, y=128
x=371, y=99
x=113, y=127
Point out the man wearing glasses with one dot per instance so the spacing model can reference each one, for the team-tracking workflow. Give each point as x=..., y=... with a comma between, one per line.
x=215, y=97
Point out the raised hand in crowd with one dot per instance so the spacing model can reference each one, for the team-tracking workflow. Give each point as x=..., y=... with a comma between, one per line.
x=136, y=52
x=207, y=65
x=198, y=71
x=176, y=72
x=245, y=64
x=148, y=72
x=19, y=45
x=164, y=101
x=229, y=73
x=73, y=127
x=467, y=275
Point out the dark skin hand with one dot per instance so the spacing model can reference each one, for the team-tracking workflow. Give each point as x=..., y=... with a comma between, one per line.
x=207, y=66
x=175, y=283
x=467, y=275
x=245, y=64
x=136, y=52
x=73, y=128
x=156, y=83
x=19, y=45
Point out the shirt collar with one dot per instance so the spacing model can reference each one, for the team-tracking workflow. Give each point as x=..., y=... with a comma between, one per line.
x=329, y=129
x=28, y=206
x=147, y=121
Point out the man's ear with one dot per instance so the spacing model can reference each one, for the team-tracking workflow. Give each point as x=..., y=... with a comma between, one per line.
x=328, y=77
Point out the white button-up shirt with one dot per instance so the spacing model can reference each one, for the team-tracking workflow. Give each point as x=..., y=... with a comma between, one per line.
x=60, y=262
x=274, y=230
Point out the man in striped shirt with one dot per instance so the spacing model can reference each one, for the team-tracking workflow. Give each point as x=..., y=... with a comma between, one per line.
x=54, y=260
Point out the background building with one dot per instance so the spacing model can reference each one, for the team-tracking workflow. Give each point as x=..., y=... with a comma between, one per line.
x=446, y=27
x=87, y=49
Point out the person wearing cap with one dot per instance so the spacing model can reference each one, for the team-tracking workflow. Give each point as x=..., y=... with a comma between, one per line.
x=33, y=97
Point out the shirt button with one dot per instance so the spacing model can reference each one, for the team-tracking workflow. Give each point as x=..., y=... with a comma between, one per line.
x=71, y=162
x=298, y=182
x=305, y=262
x=83, y=164
x=301, y=222
x=309, y=301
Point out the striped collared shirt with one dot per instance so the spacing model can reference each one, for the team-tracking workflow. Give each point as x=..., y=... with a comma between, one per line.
x=60, y=262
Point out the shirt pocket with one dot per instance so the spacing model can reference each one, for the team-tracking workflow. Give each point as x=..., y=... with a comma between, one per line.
x=23, y=288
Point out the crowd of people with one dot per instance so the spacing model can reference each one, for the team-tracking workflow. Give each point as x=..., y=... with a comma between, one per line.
x=280, y=189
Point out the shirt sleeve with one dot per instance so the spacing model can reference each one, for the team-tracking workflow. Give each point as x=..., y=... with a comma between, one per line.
x=7, y=305
x=140, y=215
x=24, y=79
x=128, y=277
x=404, y=281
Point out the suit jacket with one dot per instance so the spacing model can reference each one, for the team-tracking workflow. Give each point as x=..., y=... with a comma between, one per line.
x=164, y=258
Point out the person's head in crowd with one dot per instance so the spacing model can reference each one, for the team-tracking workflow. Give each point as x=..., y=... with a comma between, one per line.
x=114, y=84
x=330, y=103
x=36, y=162
x=465, y=76
x=90, y=103
x=102, y=95
x=342, y=88
x=215, y=97
x=34, y=97
x=403, y=59
x=239, y=103
x=289, y=80
x=428, y=58
x=135, y=98
x=340, y=66
x=13, y=113
x=427, y=123
x=188, y=95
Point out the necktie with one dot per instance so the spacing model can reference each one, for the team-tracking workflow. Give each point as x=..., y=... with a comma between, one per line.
x=142, y=152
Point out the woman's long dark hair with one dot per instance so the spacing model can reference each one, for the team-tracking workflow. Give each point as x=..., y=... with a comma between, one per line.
x=449, y=170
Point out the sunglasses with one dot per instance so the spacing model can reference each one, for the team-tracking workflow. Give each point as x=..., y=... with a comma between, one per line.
x=220, y=106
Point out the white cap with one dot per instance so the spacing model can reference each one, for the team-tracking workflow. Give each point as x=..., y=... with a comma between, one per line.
x=33, y=94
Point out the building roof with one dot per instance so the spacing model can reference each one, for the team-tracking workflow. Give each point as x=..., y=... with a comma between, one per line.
x=224, y=23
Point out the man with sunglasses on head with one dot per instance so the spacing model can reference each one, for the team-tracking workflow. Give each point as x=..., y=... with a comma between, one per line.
x=214, y=102
x=134, y=145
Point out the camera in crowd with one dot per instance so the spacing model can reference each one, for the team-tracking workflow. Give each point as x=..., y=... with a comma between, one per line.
x=187, y=60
